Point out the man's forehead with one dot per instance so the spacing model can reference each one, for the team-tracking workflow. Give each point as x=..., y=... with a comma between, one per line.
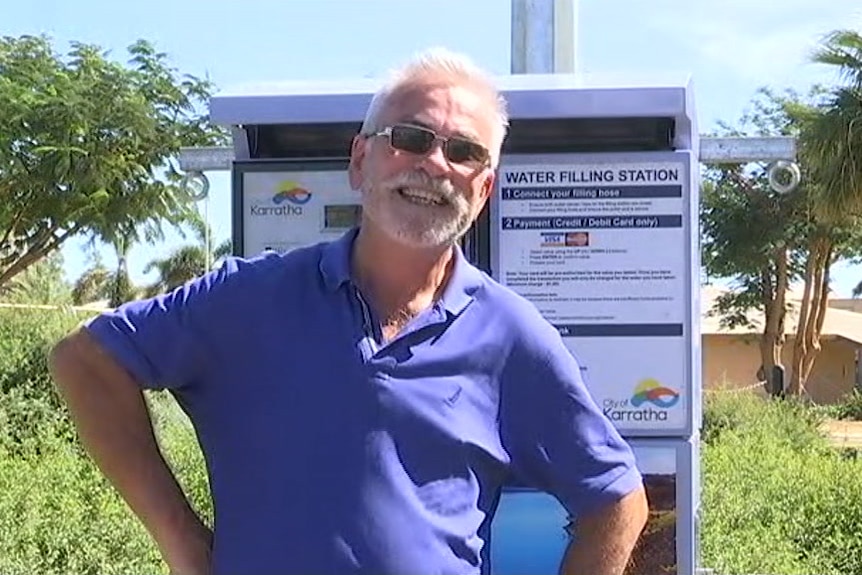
x=461, y=130
x=428, y=104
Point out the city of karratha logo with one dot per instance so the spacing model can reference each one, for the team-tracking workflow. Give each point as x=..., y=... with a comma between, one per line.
x=650, y=390
x=650, y=401
x=291, y=192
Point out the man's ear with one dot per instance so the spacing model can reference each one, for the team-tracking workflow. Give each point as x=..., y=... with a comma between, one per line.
x=357, y=155
x=485, y=192
x=488, y=184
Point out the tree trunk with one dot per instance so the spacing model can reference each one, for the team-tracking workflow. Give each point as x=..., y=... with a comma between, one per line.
x=33, y=254
x=819, y=307
x=812, y=313
x=775, y=310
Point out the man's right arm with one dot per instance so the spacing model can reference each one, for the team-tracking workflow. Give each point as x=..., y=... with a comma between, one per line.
x=113, y=422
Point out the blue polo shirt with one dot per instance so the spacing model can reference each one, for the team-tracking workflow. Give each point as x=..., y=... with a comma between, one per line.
x=331, y=453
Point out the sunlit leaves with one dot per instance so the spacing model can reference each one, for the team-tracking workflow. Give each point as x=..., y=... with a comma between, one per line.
x=88, y=145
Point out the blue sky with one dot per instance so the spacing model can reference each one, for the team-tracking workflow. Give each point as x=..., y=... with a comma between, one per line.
x=730, y=47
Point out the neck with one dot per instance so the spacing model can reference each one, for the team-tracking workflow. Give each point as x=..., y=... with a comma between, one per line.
x=398, y=277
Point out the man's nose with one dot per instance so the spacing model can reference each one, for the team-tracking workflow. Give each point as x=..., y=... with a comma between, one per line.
x=434, y=162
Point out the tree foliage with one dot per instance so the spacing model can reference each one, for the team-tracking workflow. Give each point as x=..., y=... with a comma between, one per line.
x=765, y=241
x=830, y=143
x=122, y=289
x=187, y=261
x=87, y=146
x=833, y=141
x=751, y=234
x=93, y=285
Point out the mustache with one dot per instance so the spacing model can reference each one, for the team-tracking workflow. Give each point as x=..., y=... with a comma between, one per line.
x=418, y=179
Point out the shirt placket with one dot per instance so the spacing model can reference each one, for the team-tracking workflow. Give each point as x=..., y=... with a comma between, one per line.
x=370, y=344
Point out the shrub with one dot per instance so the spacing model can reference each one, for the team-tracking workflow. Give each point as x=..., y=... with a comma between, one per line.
x=58, y=515
x=30, y=409
x=179, y=443
x=25, y=337
x=776, y=498
x=790, y=419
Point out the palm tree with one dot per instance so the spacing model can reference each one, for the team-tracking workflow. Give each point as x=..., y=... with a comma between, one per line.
x=830, y=148
x=832, y=142
x=122, y=289
x=835, y=138
x=95, y=284
x=187, y=262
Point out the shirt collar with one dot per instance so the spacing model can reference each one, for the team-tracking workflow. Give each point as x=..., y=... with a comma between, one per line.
x=335, y=261
x=465, y=281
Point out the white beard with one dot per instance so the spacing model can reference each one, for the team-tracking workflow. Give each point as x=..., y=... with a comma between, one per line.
x=412, y=221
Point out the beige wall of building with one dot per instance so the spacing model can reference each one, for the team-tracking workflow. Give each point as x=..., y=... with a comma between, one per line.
x=731, y=362
x=854, y=305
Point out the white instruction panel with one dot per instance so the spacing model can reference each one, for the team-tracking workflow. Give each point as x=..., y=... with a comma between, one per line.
x=602, y=248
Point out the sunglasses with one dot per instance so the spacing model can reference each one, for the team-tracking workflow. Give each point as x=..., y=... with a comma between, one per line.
x=417, y=140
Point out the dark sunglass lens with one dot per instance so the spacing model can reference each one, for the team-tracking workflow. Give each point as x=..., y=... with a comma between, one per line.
x=461, y=151
x=411, y=139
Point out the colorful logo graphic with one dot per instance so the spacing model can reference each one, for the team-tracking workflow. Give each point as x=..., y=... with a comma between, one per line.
x=291, y=192
x=650, y=390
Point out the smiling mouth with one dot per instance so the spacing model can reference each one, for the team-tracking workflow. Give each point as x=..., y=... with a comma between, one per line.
x=421, y=197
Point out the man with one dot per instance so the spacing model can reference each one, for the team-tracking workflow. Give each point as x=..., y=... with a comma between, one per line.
x=360, y=403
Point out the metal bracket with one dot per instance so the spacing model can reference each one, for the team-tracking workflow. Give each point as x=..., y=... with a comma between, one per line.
x=779, y=152
x=712, y=151
x=741, y=150
x=210, y=159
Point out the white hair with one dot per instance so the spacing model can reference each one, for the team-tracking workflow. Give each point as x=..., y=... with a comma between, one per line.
x=437, y=64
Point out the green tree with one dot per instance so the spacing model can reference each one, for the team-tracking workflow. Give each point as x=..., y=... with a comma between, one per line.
x=187, y=262
x=765, y=241
x=750, y=233
x=121, y=288
x=833, y=133
x=93, y=285
x=88, y=146
x=831, y=148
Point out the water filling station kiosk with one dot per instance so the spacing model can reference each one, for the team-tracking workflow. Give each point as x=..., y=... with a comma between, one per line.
x=594, y=220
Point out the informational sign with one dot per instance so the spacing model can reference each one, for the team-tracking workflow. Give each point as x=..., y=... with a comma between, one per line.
x=601, y=245
x=284, y=209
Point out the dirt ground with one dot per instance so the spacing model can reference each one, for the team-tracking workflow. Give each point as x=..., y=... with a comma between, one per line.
x=655, y=552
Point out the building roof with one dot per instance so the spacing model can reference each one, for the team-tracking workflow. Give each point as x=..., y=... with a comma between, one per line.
x=838, y=322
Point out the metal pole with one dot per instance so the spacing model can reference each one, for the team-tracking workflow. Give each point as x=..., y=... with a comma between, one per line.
x=565, y=36
x=207, y=238
x=544, y=36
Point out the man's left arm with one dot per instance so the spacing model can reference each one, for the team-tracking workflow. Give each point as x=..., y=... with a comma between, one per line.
x=605, y=537
x=560, y=442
